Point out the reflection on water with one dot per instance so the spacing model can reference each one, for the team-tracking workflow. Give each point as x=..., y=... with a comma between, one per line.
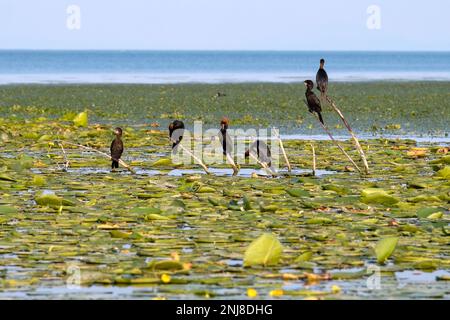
x=220, y=172
x=247, y=172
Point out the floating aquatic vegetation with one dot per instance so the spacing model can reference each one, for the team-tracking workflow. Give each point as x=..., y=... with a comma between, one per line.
x=266, y=251
x=119, y=228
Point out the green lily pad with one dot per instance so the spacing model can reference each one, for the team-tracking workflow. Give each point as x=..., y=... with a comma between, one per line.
x=265, y=250
x=377, y=196
x=384, y=248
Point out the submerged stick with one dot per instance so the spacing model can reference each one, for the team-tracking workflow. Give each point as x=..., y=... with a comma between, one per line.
x=314, y=159
x=99, y=152
x=233, y=164
x=67, y=163
x=355, y=139
x=262, y=164
x=200, y=162
x=284, y=153
x=337, y=143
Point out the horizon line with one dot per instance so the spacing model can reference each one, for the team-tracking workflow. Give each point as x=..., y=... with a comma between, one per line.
x=224, y=50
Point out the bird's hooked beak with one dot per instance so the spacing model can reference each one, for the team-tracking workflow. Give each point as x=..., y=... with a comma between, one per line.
x=304, y=82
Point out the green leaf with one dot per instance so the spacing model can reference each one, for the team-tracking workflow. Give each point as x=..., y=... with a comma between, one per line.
x=162, y=162
x=145, y=210
x=305, y=256
x=444, y=173
x=297, y=192
x=81, y=119
x=427, y=212
x=205, y=189
x=38, y=180
x=154, y=216
x=6, y=178
x=168, y=265
x=7, y=210
x=119, y=234
x=384, y=248
x=266, y=250
x=247, y=204
x=377, y=196
x=52, y=200
x=318, y=220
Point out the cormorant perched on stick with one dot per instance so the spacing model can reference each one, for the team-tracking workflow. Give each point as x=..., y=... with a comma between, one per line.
x=322, y=80
x=176, y=128
x=224, y=137
x=312, y=100
x=262, y=151
x=116, y=148
x=227, y=144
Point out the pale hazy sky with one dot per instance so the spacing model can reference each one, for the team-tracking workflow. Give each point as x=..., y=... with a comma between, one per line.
x=226, y=24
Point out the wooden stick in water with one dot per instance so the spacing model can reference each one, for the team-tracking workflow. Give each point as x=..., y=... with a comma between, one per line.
x=314, y=159
x=262, y=164
x=99, y=152
x=336, y=143
x=233, y=164
x=355, y=139
x=200, y=162
x=284, y=153
x=67, y=163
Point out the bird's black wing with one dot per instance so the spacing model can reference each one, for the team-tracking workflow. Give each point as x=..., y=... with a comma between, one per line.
x=313, y=102
x=322, y=80
x=116, y=149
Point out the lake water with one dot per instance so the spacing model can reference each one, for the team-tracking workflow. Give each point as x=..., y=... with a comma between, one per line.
x=18, y=66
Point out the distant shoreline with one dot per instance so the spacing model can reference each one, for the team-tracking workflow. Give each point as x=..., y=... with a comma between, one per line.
x=199, y=79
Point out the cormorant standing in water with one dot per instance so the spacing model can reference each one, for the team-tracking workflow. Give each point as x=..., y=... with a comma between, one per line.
x=312, y=100
x=262, y=152
x=322, y=80
x=176, y=128
x=116, y=148
x=224, y=137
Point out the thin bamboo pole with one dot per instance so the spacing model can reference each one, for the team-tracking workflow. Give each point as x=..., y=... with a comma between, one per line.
x=355, y=139
x=262, y=164
x=284, y=153
x=99, y=152
x=233, y=164
x=336, y=143
x=200, y=162
x=314, y=159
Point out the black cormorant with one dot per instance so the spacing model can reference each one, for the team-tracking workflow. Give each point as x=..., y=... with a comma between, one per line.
x=176, y=130
x=225, y=139
x=116, y=148
x=322, y=79
x=312, y=100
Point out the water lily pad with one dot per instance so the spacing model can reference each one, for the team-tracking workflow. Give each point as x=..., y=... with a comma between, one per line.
x=265, y=250
x=51, y=199
x=297, y=192
x=384, y=248
x=378, y=196
x=444, y=173
x=81, y=119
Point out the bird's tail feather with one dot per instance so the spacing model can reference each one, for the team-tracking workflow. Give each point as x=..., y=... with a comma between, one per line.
x=320, y=117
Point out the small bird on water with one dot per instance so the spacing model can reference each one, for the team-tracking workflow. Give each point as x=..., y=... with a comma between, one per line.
x=312, y=100
x=116, y=148
x=176, y=130
x=322, y=80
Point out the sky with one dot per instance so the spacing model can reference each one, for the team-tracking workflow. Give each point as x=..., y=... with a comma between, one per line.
x=226, y=25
